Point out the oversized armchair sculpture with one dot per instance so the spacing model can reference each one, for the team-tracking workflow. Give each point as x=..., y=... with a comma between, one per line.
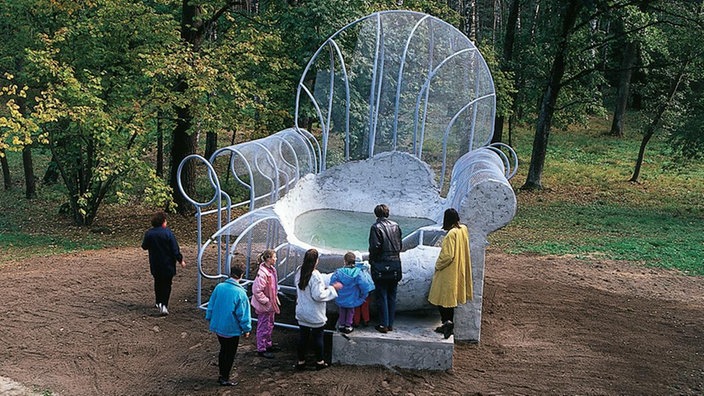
x=397, y=107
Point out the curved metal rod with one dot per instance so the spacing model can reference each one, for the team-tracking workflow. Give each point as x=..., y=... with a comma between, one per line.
x=295, y=167
x=212, y=176
x=402, y=64
x=345, y=78
x=504, y=159
x=371, y=138
x=310, y=138
x=511, y=171
x=220, y=233
x=424, y=89
x=447, y=133
x=231, y=166
x=323, y=127
x=308, y=156
x=330, y=102
x=201, y=251
x=272, y=162
x=234, y=154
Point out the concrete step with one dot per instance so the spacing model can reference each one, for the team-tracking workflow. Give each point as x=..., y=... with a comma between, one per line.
x=413, y=344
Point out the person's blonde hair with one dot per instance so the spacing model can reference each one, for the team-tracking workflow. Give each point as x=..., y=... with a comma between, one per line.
x=266, y=255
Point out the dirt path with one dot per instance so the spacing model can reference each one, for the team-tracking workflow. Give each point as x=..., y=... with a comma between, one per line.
x=84, y=324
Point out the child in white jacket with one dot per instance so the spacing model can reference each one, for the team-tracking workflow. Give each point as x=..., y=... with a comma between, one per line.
x=312, y=295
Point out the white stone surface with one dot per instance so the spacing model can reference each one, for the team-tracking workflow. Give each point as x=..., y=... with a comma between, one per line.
x=479, y=191
x=399, y=180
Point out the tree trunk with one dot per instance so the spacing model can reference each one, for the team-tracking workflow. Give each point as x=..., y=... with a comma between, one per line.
x=51, y=176
x=7, y=179
x=547, y=105
x=506, y=63
x=211, y=144
x=159, y=147
x=511, y=124
x=30, y=182
x=183, y=144
x=474, y=29
x=650, y=131
x=499, y=121
x=641, y=152
x=183, y=141
x=630, y=52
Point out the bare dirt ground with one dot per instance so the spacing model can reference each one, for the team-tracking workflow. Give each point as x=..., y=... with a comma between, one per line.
x=85, y=324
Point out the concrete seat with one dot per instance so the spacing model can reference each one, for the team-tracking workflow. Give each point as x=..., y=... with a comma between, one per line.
x=413, y=344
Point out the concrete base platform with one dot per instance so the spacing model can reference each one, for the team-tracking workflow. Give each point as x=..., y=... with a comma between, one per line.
x=413, y=344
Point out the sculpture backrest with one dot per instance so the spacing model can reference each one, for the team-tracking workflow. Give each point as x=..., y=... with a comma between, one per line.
x=397, y=81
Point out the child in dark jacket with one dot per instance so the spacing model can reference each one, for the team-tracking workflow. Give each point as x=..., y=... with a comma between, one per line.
x=357, y=284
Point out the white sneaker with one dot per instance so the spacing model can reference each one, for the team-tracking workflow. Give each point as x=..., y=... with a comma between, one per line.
x=163, y=310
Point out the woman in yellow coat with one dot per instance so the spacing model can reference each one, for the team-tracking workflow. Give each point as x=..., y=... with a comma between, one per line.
x=452, y=280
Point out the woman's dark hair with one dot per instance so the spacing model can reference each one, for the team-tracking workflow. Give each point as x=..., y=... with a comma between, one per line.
x=158, y=219
x=451, y=219
x=381, y=211
x=309, y=261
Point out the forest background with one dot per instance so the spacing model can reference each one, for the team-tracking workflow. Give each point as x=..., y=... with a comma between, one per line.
x=102, y=99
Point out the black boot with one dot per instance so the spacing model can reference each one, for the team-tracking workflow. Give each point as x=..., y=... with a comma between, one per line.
x=448, y=329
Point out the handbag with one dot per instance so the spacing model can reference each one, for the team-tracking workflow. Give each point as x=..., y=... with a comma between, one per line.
x=386, y=271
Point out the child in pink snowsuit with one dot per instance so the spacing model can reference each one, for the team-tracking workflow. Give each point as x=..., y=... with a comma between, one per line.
x=266, y=302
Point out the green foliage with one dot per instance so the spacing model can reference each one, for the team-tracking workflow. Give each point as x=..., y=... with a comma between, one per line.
x=589, y=209
x=503, y=82
x=673, y=53
x=91, y=108
x=21, y=245
x=687, y=137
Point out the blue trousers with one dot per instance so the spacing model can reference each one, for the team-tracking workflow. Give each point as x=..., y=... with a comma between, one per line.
x=385, y=291
x=304, y=335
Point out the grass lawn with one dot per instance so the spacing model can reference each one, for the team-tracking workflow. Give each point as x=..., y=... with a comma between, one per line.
x=589, y=208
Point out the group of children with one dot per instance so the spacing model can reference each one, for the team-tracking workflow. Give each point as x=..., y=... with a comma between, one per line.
x=229, y=308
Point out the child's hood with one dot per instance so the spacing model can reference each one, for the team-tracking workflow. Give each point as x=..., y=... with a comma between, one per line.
x=347, y=273
x=362, y=266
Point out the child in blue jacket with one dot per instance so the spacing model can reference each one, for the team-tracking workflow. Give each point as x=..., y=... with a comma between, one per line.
x=230, y=317
x=357, y=284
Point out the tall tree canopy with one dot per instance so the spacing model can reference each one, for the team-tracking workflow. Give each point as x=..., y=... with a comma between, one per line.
x=111, y=88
